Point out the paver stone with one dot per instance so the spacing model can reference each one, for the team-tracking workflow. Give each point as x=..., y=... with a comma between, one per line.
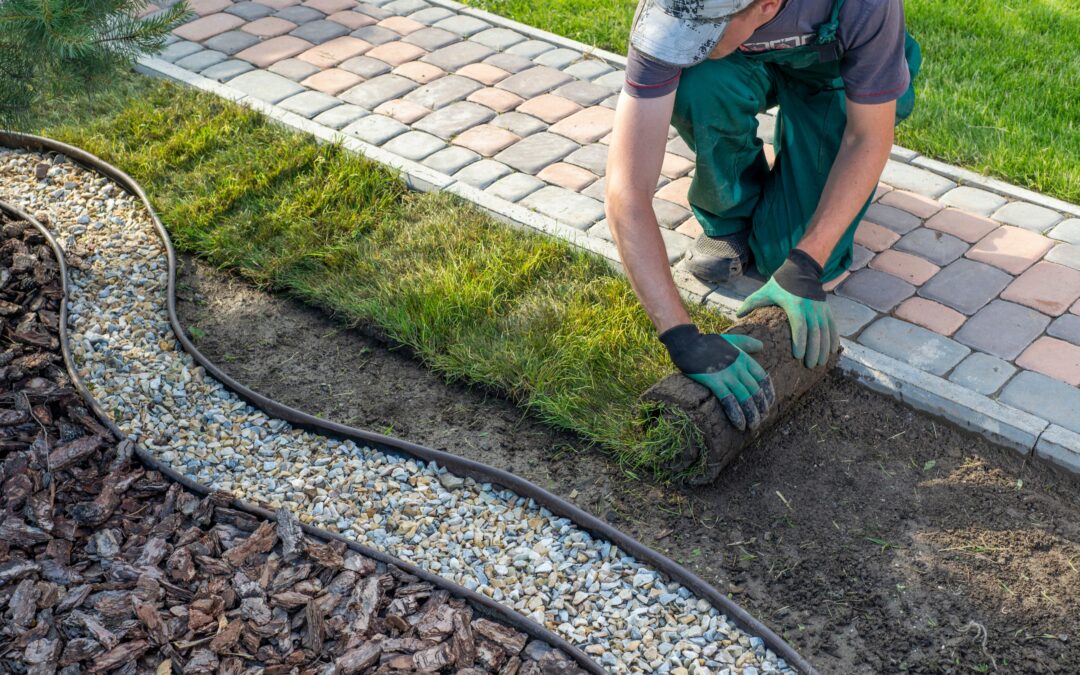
x=967, y=226
x=917, y=205
x=937, y=247
x=1012, y=249
x=675, y=244
x=830, y=286
x=518, y=123
x=515, y=187
x=431, y=15
x=582, y=93
x=332, y=81
x=414, y=145
x=268, y=27
x=310, y=103
x=850, y=316
x=463, y=25
x=913, y=345
x=403, y=111
x=1028, y=216
x=421, y=73
x=511, y=63
x=205, y=7
x=549, y=108
x=1066, y=327
x=227, y=70
x=592, y=157
x=675, y=166
x=973, y=200
x=692, y=228
x=498, y=39
x=333, y=52
x=589, y=69
x=565, y=206
x=207, y=27
x=530, y=49
x=900, y=222
x=451, y=160
x=431, y=39
x=279, y=4
x=266, y=86
x=457, y=55
x=982, y=373
x=910, y=268
x=351, y=20
x=294, y=69
x=615, y=80
x=532, y=154
x=330, y=6
x=534, y=81
x=179, y=50
x=965, y=285
x=669, y=214
x=586, y=126
x=231, y=42
x=375, y=129
x=559, y=58
x=376, y=35
x=676, y=192
x=914, y=179
x=299, y=15
x=1068, y=231
x=373, y=10
x=373, y=93
x=484, y=73
x=200, y=61
x=1047, y=287
x=404, y=7
x=498, y=100
x=265, y=53
x=401, y=25
x=318, y=32
x=365, y=66
x=568, y=176
x=1065, y=254
x=483, y=173
x=341, y=116
x=486, y=140
x=453, y=119
x=1003, y=329
x=249, y=11
x=929, y=314
x=875, y=237
x=876, y=289
x=444, y=91
x=396, y=53
x=1056, y=358
x=860, y=257
x=1044, y=397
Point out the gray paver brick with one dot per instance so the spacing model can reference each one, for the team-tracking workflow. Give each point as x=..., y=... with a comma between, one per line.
x=669, y=215
x=1045, y=397
x=900, y=222
x=973, y=200
x=860, y=257
x=1002, y=328
x=850, y=316
x=530, y=49
x=675, y=243
x=535, y=152
x=610, y=102
x=375, y=92
x=601, y=230
x=483, y=173
x=511, y=63
x=294, y=69
x=1065, y=254
x=1028, y=216
x=365, y=66
x=937, y=247
x=342, y=115
x=200, y=61
x=299, y=14
x=310, y=103
x=876, y=289
x=405, y=7
x=498, y=39
x=519, y=123
x=227, y=70
x=453, y=119
x=982, y=373
x=677, y=146
x=589, y=69
x=592, y=157
x=1066, y=327
x=915, y=345
x=318, y=32
x=515, y=187
x=534, y=81
x=914, y=179
x=559, y=58
x=374, y=10
x=249, y=11
x=451, y=160
x=565, y=206
x=596, y=190
x=231, y=42
x=431, y=39
x=1068, y=230
x=613, y=80
x=375, y=129
x=463, y=25
x=431, y=15
x=266, y=85
x=965, y=285
x=376, y=35
x=444, y=91
x=179, y=50
x=414, y=145
x=584, y=94
x=458, y=55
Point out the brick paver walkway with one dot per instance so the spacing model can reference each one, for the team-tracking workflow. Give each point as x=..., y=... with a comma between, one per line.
x=956, y=280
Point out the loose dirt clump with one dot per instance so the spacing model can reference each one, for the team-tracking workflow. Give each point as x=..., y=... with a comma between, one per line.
x=108, y=566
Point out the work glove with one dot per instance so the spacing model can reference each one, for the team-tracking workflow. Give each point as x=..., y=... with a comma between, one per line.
x=796, y=288
x=722, y=363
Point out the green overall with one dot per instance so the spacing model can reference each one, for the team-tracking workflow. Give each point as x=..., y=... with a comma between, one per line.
x=733, y=187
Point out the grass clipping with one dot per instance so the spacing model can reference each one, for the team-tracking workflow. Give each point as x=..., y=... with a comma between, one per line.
x=551, y=327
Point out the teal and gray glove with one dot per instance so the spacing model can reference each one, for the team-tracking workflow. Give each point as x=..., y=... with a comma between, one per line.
x=721, y=363
x=796, y=288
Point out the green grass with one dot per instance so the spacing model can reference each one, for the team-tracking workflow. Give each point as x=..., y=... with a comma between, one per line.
x=549, y=326
x=997, y=93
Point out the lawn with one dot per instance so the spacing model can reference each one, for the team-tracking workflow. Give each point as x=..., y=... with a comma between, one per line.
x=547, y=325
x=997, y=93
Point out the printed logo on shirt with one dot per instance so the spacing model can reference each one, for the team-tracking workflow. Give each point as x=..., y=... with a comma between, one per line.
x=780, y=43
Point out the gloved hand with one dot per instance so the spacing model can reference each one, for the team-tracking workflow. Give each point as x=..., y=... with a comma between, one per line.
x=721, y=363
x=796, y=288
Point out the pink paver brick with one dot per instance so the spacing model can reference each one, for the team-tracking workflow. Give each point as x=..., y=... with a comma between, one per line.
x=831, y=285
x=484, y=73
x=330, y=6
x=486, y=140
x=675, y=192
x=1012, y=249
x=568, y=176
x=332, y=81
x=352, y=20
x=205, y=7
x=401, y=25
x=931, y=315
x=586, y=126
x=417, y=71
x=606, y=140
x=910, y=268
x=403, y=111
x=279, y=4
x=396, y=53
x=916, y=205
x=148, y=10
x=1056, y=358
x=268, y=26
x=208, y=26
x=1075, y=309
x=692, y=228
x=498, y=100
x=675, y=166
x=967, y=226
x=882, y=190
x=331, y=53
x=875, y=237
x=1047, y=287
x=270, y=52
x=549, y=108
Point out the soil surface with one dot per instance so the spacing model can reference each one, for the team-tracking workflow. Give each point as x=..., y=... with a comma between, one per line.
x=871, y=537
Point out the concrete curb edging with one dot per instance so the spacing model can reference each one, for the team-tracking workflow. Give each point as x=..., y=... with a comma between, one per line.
x=998, y=422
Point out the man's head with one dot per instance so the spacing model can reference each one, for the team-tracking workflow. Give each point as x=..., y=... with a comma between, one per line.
x=686, y=32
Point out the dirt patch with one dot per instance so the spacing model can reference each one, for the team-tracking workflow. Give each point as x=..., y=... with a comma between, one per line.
x=873, y=538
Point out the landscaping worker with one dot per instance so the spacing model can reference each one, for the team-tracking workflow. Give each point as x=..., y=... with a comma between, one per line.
x=840, y=72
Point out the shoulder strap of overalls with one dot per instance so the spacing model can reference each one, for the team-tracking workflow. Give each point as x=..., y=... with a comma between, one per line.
x=827, y=31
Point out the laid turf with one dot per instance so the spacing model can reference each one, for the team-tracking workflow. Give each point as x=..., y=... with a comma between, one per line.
x=549, y=326
x=997, y=93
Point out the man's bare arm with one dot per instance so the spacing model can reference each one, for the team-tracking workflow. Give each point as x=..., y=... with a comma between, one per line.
x=634, y=161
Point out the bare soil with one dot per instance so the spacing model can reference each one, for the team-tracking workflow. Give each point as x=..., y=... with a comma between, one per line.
x=872, y=537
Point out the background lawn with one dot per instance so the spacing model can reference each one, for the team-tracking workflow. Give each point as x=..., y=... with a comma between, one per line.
x=999, y=92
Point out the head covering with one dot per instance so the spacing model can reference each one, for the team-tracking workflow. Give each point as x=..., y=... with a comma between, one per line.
x=682, y=32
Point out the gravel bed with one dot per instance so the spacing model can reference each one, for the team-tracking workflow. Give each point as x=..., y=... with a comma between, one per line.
x=498, y=543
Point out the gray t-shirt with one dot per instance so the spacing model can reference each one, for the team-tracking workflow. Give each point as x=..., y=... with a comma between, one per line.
x=871, y=33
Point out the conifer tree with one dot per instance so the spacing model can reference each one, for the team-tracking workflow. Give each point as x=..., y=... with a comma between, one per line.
x=57, y=45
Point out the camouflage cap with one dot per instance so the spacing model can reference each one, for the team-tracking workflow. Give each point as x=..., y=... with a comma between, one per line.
x=682, y=32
